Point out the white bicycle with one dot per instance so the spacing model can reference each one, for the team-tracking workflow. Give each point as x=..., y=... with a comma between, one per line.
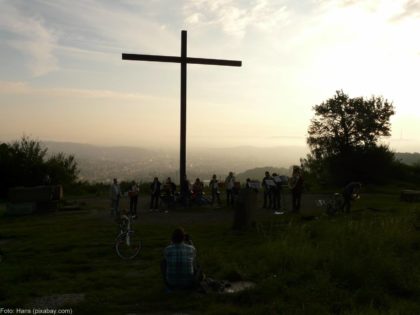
x=335, y=203
x=332, y=205
x=128, y=243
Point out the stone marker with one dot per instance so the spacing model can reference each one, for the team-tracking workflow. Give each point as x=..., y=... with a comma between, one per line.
x=244, y=207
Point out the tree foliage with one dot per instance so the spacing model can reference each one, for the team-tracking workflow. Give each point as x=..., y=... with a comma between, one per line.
x=26, y=163
x=343, y=124
x=343, y=139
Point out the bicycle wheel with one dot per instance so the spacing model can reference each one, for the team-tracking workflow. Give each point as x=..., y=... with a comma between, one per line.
x=128, y=245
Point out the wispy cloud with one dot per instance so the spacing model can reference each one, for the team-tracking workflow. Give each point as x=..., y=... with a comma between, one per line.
x=394, y=11
x=31, y=38
x=52, y=33
x=21, y=88
x=234, y=17
x=411, y=8
x=107, y=27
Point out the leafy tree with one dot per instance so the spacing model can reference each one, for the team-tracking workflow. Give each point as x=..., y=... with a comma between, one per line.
x=342, y=124
x=62, y=169
x=343, y=139
x=25, y=163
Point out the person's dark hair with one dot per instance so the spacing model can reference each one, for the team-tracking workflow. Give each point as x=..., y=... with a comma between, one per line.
x=178, y=235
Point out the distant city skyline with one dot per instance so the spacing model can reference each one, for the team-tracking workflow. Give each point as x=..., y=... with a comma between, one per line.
x=63, y=79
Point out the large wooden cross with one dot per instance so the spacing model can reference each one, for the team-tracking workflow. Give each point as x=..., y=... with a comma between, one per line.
x=183, y=60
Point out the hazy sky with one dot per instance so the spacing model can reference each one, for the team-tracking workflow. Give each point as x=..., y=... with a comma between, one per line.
x=62, y=77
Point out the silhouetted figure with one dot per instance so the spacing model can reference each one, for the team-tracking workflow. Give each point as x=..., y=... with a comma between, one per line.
x=296, y=186
x=230, y=188
x=215, y=192
x=197, y=188
x=115, y=195
x=169, y=191
x=350, y=193
x=267, y=184
x=134, y=196
x=185, y=192
x=46, y=180
x=276, y=192
x=170, y=187
x=248, y=183
x=179, y=267
x=154, y=194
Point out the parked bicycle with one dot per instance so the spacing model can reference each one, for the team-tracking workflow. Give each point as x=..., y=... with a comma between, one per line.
x=128, y=243
x=331, y=204
x=335, y=203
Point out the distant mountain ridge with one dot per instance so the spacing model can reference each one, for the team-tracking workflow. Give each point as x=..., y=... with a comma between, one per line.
x=259, y=172
x=408, y=158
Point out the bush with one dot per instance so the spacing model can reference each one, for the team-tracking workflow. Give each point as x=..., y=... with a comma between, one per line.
x=25, y=163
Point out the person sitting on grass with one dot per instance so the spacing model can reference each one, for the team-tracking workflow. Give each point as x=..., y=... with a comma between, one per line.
x=179, y=267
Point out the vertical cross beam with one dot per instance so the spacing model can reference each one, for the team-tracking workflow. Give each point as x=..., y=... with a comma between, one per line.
x=183, y=135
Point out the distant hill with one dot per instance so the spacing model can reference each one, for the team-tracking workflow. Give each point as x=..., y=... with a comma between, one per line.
x=408, y=158
x=258, y=173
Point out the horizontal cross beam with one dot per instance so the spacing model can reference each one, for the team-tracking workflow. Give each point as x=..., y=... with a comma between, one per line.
x=175, y=59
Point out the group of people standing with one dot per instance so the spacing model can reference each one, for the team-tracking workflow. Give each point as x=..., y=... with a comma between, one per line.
x=116, y=194
x=167, y=192
x=273, y=189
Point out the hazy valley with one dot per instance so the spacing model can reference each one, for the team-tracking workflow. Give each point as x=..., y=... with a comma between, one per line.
x=101, y=163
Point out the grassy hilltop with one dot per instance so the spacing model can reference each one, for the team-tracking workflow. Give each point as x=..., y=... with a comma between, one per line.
x=362, y=263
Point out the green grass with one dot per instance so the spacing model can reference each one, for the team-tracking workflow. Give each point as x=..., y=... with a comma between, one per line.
x=363, y=263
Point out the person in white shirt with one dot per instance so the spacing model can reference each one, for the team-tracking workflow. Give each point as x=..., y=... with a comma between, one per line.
x=115, y=195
